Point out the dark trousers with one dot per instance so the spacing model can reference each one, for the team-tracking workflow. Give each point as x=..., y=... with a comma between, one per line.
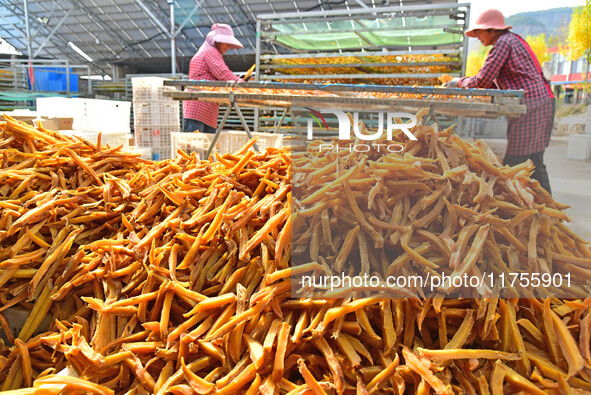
x=192, y=125
x=540, y=172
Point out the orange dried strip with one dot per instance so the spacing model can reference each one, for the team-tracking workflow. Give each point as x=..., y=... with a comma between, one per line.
x=315, y=387
x=422, y=368
x=461, y=353
x=73, y=384
x=374, y=384
x=244, y=378
x=282, y=340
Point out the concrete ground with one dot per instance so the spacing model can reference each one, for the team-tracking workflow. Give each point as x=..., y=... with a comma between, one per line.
x=570, y=181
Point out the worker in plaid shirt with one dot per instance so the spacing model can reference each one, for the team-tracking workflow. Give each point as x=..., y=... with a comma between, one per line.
x=208, y=64
x=511, y=64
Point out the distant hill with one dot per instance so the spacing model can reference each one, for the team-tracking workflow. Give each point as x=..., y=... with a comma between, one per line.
x=552, y=22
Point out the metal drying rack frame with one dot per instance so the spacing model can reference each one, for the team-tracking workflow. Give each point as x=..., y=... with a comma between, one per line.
x=342, y=96
x=458, y=19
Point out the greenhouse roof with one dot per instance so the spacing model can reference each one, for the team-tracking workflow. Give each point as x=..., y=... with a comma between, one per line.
x=121, y=32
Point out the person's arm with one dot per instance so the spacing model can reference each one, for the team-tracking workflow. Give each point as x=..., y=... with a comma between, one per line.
x=496, y=58
x=217, y=66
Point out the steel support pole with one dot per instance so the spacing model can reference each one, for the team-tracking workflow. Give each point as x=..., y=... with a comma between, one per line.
x=55, y=29
x=89, y=82
x=219, y=129
x=257, y=71
x=460, y=120
x=30, y=55
x=172, y=40
x=152, y=16
x=297, y=127
x=276, y=130
x=188, y=18
x=246, y=128
x=465, y=47
x=28, y=29
x=68, y=78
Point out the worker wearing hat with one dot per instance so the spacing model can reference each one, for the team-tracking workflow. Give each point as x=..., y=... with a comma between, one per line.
x=208, y=64
x=511, y=64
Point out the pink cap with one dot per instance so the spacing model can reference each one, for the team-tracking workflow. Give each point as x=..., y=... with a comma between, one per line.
x=489, y=19
x=222, y=33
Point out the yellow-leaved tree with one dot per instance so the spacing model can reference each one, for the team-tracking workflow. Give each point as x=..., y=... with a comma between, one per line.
x=539, y=46
x=579, y=35
x=476, y=60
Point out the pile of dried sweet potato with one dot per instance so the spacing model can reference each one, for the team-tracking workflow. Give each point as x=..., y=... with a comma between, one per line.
x=174, y=277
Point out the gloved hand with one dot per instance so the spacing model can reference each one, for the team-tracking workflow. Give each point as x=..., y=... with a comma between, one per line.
x=454, y=83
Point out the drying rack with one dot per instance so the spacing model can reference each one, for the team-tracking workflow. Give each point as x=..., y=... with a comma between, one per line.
x=348, y=97
x=354, y=39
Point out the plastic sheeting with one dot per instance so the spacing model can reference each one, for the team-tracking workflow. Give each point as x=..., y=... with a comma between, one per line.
x=382, y=32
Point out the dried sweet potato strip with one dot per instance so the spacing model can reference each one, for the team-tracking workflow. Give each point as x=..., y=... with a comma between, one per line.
x=198, y=384
x=27, y=370
x=258, y=237
x=567, y=344
x=585, y=338
x=282, y=342
x=333, y=363
x=39, y=311
x=421, y=367
x=211, y=303
x=346, y=248
x=463, y=332
x=389, y=332
x=460, y=353
x=418, y=258
x=312, y=383
x=73, y=384
x=583, y=262
x=142, y=265
x=23, y=259
x=254, y=387
x=245, y=377
x=225, y=328
x=82, y=164
x=55, y=258
x=532, y=253
x=518, y=380
x=461, y=243
x=374, y=384
x=336, y=312
x=339, y=181
x=531, y=329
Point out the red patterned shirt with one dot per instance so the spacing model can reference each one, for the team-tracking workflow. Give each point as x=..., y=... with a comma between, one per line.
x=511, y=64
x=207, y=64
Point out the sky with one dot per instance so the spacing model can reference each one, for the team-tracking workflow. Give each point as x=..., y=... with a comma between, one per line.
x=6, y=48
x=510, y=7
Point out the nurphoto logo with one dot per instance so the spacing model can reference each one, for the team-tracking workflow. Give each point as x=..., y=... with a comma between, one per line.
x=394, y=121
